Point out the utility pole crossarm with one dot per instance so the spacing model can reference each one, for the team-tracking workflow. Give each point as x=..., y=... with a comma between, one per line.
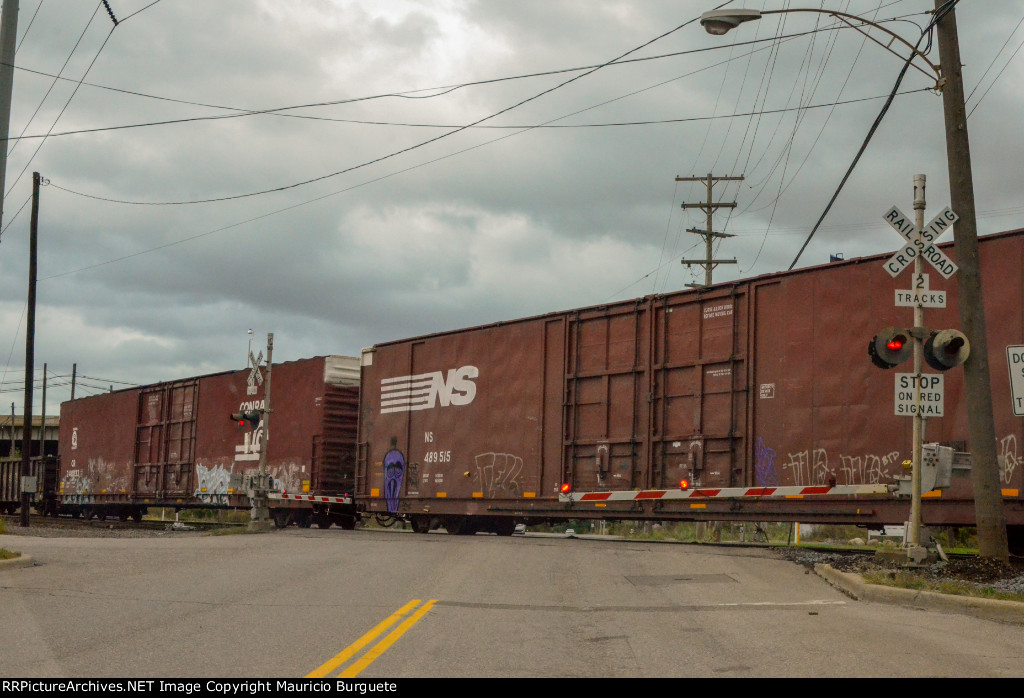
x=704, y=179
x=711, y=205
x=711, y=233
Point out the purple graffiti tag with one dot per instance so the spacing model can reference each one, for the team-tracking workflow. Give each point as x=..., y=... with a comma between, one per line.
x=764, y=466
x=394, y=473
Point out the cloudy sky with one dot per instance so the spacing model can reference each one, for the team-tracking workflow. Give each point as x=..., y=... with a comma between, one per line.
x=346, y=172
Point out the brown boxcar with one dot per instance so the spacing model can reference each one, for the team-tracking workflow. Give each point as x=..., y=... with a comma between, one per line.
x=44, y=472
x=175, y=444
x=763, y=383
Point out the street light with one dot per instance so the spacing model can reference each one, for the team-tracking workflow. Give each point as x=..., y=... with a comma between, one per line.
x=989, y=515
x=719, y=22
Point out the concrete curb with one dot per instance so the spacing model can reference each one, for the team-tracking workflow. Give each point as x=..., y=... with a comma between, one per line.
x=15, y=562
x=855, y=586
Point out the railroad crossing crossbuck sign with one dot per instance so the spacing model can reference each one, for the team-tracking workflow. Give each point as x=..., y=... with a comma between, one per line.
x=920, y=242
x=255, y=375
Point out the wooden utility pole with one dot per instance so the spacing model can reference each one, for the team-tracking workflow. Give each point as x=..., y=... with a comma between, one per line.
x=709, y=207
x=27, y=487
x=8, y=37
x=985, y=472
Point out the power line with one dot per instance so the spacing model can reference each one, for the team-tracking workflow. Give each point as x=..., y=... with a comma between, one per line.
x=64, y=108
x=418, y=145
x=280, y=210
x=874, y=126
x=50, y=89
x=30, y=23
x=279, y=111
x=512, y=127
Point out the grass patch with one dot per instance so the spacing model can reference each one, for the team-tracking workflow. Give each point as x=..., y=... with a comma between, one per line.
x=230, y=531
x=224, y=516
x=6, y=554
x=915, y=582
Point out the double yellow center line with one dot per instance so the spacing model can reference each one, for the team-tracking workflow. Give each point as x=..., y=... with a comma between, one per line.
x=377, y=650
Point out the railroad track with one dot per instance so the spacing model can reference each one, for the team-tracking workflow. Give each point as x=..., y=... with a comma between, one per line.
x=66, y=522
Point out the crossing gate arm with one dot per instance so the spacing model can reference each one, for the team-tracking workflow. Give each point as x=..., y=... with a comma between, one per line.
x=724, y=493
x=343, y=499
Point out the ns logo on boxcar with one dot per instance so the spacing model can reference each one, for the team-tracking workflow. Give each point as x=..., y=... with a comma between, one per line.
x=423, y=391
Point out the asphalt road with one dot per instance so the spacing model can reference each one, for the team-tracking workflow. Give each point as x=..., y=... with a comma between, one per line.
x=394, y=604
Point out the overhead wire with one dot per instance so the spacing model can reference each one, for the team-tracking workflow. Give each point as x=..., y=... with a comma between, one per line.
x=293, y=206
x=422, y=143
x=280, y=111
x=824, y=124
x=42, y=101
x=939, y=13
x=1001, y=70
x=68, y=102
x=15, y=216
x=28, y=28
x=279, y=210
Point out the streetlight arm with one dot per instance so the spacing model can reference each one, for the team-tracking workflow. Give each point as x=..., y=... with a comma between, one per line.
x=719, y=22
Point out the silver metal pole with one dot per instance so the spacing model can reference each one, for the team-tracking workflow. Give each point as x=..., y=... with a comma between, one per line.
x=915, y=502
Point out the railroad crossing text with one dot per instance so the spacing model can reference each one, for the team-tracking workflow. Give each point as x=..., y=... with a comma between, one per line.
x=932, y=392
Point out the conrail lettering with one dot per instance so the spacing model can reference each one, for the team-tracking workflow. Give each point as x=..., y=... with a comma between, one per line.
x=424, y=390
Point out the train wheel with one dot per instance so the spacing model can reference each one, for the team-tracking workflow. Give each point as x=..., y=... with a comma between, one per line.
x=86, y=513
x=322, y=520
x=281, y=518
x=101, y=513
x=305, y=520
x=347, y=523
x=122, y=515
x=420, y=524
x=136, y=515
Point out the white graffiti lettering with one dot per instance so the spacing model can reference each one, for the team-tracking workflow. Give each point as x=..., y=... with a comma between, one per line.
x=498, y=473
x=215, y=480
x=811, y=467
x=1008, y=457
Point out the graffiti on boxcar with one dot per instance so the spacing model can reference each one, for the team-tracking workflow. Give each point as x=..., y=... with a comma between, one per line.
x=288, y=478
x=394, y=473
x=498, y=473
x=811, y=467
x=75, y=482
x=764, y=465
x=212, y=481
x=865, y=470
x=97, y=477
x=808, y=467
x=1008, y=456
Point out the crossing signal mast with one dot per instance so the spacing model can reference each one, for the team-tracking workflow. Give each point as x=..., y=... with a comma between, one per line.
x=917, y=394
